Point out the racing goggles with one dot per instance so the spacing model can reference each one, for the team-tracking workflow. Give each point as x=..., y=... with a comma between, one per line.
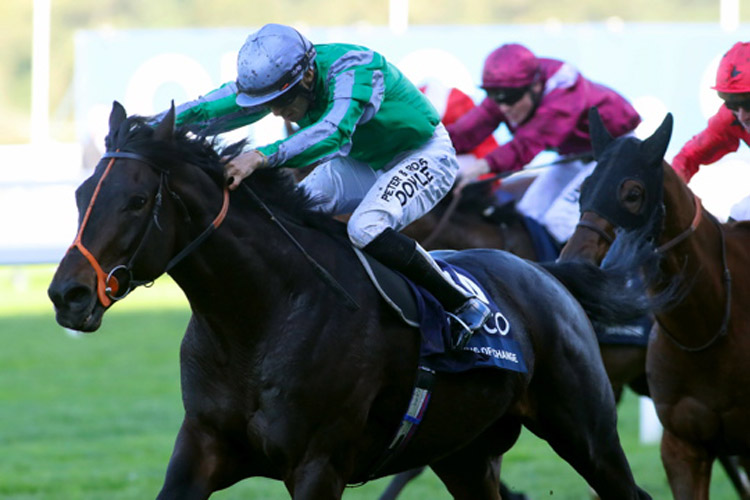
x=286, y=98
x=508, y=96
x=735, y=105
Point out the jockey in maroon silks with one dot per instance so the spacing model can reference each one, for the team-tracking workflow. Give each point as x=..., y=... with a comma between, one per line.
x=728, y=127
x=545, y=104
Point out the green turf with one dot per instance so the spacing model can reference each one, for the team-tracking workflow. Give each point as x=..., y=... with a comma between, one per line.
x=94, y=417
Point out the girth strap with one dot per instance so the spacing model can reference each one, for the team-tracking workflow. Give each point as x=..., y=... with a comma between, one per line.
x=420, y=398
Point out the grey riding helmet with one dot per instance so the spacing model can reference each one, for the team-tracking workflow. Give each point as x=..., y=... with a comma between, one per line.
x=271, y=62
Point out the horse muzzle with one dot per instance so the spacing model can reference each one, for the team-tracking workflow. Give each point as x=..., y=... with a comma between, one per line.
x=76, y=302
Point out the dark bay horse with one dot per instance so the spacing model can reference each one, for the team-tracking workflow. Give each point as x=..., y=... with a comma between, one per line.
x=283, y=378
x=697, y=361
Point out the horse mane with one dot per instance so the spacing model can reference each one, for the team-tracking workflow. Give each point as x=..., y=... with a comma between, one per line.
x=276, y=187
x=739, y=225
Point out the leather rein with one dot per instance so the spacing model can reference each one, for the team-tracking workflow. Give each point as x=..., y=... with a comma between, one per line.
x=107, y=284
x=669, y=245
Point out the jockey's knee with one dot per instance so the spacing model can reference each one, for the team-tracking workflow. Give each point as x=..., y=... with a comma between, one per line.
x=365, y=227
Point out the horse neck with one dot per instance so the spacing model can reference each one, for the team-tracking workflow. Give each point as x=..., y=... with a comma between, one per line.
x=684, y=210
x=698, y=258
x=679, y=204
x=249, y=267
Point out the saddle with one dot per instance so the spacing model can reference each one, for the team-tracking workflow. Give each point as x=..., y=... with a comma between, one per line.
x=492, y=346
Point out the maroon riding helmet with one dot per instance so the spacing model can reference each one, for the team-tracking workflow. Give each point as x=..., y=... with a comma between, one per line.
x=510, y=66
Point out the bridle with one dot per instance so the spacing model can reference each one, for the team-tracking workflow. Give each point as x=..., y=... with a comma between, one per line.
x=669, y=245
x=586, y=224
x=107, y=284
x=687, y=232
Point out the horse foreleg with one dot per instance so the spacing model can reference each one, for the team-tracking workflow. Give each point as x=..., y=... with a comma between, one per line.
x=688, y=467
x=197, y=467
x=470, y=475
x=316, y=480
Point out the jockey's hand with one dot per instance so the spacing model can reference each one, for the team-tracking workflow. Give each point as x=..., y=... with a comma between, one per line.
x=471, y=172
x=242, y=166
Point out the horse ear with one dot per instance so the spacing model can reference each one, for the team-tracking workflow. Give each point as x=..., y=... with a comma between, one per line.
x=655, y=147
x=600, y=136
x=116, y=117
x=165, y=129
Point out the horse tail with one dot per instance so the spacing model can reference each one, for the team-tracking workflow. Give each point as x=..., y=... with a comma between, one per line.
x=618, y=292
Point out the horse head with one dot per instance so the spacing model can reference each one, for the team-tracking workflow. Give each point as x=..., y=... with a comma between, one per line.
x=624, y=191
x=123, y=237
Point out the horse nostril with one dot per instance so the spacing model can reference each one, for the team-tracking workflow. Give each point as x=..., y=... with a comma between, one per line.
x=77, y=294
x=70, y=296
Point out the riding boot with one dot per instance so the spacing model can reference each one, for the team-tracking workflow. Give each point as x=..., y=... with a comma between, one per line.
x=466, y=311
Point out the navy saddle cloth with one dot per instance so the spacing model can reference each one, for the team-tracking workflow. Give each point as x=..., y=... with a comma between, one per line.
x=492, y=346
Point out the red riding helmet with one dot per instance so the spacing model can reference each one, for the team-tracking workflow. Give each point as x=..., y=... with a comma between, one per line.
x=733, y=76
x=511, y=65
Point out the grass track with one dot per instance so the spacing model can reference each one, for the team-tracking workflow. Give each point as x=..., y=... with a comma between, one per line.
x=94, y=417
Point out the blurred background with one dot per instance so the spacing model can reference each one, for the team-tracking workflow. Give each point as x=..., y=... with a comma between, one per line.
x=65, y=61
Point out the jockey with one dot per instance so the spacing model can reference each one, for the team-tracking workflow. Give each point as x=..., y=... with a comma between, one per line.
x=729, y=126
x=545, y=104
x=379, y=148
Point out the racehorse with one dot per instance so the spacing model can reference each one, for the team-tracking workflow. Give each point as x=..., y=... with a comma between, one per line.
x=697, y=356
x=303, y=379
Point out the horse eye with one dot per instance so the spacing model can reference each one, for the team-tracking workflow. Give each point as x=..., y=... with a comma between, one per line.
x=634, y=194
x=136, y=203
